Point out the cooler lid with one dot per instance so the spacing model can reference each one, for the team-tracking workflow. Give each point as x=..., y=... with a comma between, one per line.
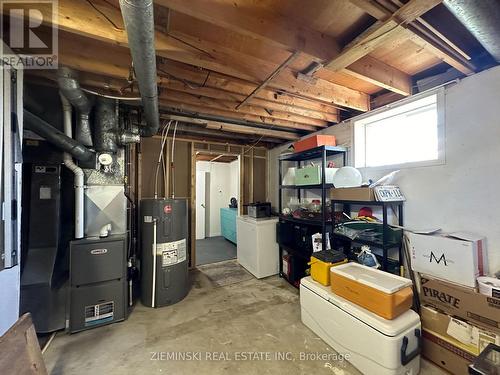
x=387, y=327
x=383, y=281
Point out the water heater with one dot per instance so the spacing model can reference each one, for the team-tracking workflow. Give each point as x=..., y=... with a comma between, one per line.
x=164, y=253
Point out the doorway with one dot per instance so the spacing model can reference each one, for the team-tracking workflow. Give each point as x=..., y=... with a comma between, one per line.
x=217, y=182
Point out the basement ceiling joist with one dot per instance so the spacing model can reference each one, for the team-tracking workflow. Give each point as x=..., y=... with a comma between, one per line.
x=92, y=56
x=280, y=32
x=211, y=54
x=424, y=35
x=381, y=32
x=81, y=19
x=216, y=158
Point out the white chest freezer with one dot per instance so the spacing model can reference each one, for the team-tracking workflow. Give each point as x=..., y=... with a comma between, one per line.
x=257, y=250
x=372, y=344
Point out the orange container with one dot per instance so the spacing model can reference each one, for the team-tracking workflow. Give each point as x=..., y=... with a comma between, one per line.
x=382, y=293
x=315, y=141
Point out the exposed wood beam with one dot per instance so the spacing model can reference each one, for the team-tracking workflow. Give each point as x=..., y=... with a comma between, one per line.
x=212, y=37
x=228, y=105
x=385, y=99
x=192, y=133
x=242, y=129
x=204, y=79
x=439, y=45
x=71, y=55
x=113, y=86
x=276, y=30
x=381, y=32
x=282, y=32
x=261, y=86
x=81, y=19
x=216, y=93
x=84, y=56
x=382, y=75
x=198, y=106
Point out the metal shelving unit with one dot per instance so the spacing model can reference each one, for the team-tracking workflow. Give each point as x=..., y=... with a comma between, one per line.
x=385, y=244
x=323, y=153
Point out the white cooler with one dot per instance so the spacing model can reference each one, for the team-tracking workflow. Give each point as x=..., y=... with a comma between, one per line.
x=372, y=344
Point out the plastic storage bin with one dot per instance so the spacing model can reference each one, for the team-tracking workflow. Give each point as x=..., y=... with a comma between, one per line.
x=322, y=261
x=382, y=293
x=311, y=175
x=314, y=141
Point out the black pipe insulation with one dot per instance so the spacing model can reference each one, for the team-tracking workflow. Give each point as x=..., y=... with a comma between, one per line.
x=56, y=137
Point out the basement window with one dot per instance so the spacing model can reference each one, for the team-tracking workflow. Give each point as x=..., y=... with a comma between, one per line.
x=406, y=135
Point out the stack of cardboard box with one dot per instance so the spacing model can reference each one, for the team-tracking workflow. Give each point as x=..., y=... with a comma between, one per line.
x=457, y=321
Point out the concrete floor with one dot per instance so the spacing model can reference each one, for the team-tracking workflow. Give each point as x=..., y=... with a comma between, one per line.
x=214, y=249
x=216, y=322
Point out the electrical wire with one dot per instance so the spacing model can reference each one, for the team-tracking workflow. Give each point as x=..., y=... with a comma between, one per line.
x=125, y=98
x=190, y=45
x=258, y=140
x=160, y=156
x=172, y=171
x=192, y=85
x=105, y=16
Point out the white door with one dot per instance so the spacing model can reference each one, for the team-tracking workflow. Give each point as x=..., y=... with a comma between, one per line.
x=200, y=205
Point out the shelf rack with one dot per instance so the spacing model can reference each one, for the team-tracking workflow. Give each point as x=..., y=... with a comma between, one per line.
x=385, y=244
x=323, y=153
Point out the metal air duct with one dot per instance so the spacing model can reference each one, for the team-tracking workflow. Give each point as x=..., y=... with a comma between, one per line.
x=482, y=19
x=106, y=126
x=107, y=134
x=139, y=24
x=70, y=88
x=56, y=137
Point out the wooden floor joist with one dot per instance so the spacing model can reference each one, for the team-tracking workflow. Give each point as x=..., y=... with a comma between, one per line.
x=271, y=29
x=242, y=129
x=457, y=59
x=81, y=19
x=261, y=86
x=380, y=33
x=228, y=105
x=197, y=109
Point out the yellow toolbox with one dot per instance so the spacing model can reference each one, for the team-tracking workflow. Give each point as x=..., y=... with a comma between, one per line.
x=380, y=292
x=322, y=261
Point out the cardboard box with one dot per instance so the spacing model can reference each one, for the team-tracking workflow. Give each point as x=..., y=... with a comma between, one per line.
x=457, y=257
x=314, y=141
x=445, y=355
x=353, y=194
x=460, y=333
x=476, y=308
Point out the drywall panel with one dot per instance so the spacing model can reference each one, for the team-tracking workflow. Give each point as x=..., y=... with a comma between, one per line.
x=9, y=295
x=460, y=194
x=220, y=184
x=234, y=183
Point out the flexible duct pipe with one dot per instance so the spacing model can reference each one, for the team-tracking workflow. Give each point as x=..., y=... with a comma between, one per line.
x=57, y=138
x=70, y=88
x=77, y=171
x=482, y=19
x=139, y=23
x=105, y=126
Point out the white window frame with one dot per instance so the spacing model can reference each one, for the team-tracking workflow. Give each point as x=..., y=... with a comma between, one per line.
x=359, y=122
